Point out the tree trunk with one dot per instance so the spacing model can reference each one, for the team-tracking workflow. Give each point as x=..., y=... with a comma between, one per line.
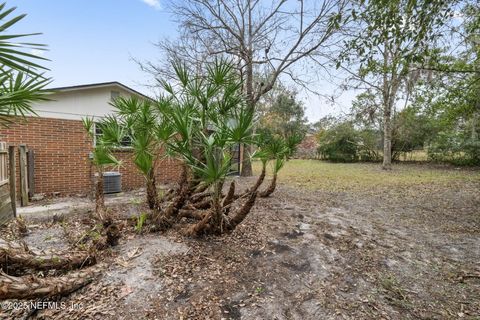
x=474, y=122
x=152, y=195
x=242, y=212
x=229, y=198
x=260, y=179
x=199, y=196
x=177, y=202
x=99, y=196
x=201, y=227
x=192, y=214
x=109, y=236
x=248, y=58
x=183, y=177
x=15, y=258
x=246, y=163
x=200, y=189
x=217, y=221
x=387, y=136
x=213, y=221
x=205, y=204
x=31, y=287
x=271, y=188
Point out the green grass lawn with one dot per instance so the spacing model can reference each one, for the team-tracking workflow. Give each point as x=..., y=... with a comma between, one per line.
x=322, y=175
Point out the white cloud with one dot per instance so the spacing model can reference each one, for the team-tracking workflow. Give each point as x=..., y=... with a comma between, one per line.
x=153, y=3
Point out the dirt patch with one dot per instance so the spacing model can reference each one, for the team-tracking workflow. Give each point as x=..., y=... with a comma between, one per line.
x=387, y=252
x=133, y=267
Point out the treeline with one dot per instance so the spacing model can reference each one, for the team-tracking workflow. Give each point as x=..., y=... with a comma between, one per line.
x=440, y=137
x=417, y=68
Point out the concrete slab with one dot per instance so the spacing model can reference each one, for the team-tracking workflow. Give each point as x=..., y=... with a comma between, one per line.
x=60, y=207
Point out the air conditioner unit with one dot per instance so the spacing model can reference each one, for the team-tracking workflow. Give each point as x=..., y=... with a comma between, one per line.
x=112, y=182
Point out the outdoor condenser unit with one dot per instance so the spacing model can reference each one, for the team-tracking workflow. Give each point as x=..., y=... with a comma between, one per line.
x=112, y=182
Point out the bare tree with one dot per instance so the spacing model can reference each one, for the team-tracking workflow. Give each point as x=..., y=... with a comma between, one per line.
x=386, y=43
x=265, y=39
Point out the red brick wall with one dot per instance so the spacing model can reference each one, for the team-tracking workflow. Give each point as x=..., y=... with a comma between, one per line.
x=168, y=170
x=62, y=161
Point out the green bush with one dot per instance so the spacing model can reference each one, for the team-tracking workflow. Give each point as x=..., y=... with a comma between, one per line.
x=370, y=142
x=339, y=144
x=455, y=148
x=411, y=130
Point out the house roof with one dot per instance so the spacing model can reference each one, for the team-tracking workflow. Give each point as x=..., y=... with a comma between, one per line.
x=100, y=85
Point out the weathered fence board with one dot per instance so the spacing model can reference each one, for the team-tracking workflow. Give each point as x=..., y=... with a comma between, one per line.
x=31, y=172
x=6, y=211
x=22, y=149
x=13, y=178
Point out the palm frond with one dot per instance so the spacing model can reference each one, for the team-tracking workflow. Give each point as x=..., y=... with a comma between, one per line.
x=113, y=132
x=17, y=55
x=88, y=125
x=18, y=91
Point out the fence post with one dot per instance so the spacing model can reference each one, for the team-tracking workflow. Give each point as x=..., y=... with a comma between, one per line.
x=12, y=178
x=31, y=172
x=23, y=175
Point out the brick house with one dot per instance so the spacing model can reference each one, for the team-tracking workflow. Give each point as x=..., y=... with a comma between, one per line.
x=61, y=146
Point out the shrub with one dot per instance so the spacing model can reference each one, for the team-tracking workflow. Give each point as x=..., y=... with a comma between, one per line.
x=455, y=148
x=339, y=144
x=370, y=142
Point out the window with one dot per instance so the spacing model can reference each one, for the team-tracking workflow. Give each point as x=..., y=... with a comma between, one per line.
x=114, y=95
x=125, y=143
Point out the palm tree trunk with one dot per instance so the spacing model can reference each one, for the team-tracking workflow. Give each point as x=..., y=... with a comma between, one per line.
x=203, y=226
x=271, y=188
x=16, y=258
x=99, y=196
x=31, y=287
x=152, y=195
x=217, y=221
x=228, y=199
x=205, y=204
x=242, y=212
x=213, y=221
x=260, y=179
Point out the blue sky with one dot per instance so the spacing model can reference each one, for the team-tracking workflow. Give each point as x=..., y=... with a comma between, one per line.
x=94, y=41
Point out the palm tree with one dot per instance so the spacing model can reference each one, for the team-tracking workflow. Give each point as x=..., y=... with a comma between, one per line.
x=142, y=123
x=208, y=115
x=21, y=81
x=103, y=157
x=279, y=150
x=278, y=164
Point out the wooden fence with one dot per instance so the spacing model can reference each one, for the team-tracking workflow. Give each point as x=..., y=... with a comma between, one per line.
x=7, y=207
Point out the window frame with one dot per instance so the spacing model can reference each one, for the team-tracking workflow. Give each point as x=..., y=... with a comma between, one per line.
x=121, y=147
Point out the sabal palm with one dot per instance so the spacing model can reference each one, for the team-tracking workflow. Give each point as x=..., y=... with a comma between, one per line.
x=142, y=122
x=21, y=81
x=103, y=157
x=278, y=149
x=208, y=115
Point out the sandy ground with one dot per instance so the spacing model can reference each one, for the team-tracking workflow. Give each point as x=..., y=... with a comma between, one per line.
x=384, y=253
